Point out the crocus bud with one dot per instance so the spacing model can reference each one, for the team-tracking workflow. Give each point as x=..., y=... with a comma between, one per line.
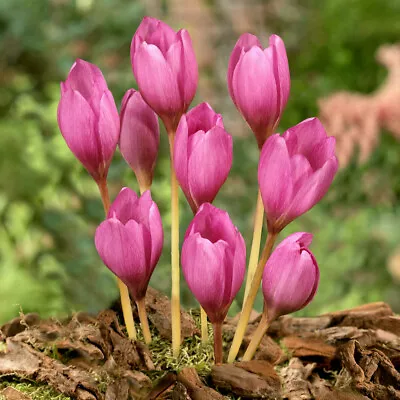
x=213, y=260
x=202, y=155
x=130, y=240
x=291, y=276
x=165, y=69
x=140, y=137
x=88, y=118
x=295, y=171
x=259, y=83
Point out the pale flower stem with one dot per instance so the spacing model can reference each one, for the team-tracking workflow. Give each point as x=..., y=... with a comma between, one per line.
x=175, y=295
x=255, y=246
x=123, y=290
x=204, y=326
x=248, y=305
x=257, y=337
x=141, y=305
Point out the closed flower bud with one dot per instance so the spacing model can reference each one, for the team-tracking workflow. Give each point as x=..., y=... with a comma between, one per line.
x=88, y=118
x=291, y=276
x=259, y=83
x=213, y=260
x=140, y=137
x=130, y=240
x=202, y=155
x=165, y=69
x=295, y=171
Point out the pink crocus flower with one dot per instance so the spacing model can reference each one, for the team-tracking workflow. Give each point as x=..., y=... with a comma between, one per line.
x=295, y=171
x=259, y=83
x=88, y=118
x=130, y=240
x=202, y=155
x=140, y=137
x=165, y=69
x=291, y=276
x=213, y=261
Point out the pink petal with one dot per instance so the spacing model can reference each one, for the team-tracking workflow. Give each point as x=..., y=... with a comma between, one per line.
x=157, y=81
x=189, y=77
x=288, y=280
x=213, y=224
x=123, y=206
x=209, y=164
x=275, y=177
x=203, y=117
x=239, y=266
x=303, y=239
x=245, y=42
x=153, y=31
x=77, y=125
x=87, y=79
x=181, y=155
x=123, y=251
x=157, y=234
x=301, y=171
x=255, y=91
x=108, y=127
x=307, y=133
x=313, y=189
x=322, y=151
x=203, y=267
x=281, y=72
x=140, y=135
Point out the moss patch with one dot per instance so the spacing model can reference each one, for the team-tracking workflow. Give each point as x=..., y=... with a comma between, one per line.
x=34, y=390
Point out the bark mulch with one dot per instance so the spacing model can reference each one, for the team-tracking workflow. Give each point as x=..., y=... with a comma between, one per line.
x=345, y=355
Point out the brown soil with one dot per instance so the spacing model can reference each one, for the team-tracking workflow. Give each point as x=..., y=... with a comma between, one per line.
x=349, y=355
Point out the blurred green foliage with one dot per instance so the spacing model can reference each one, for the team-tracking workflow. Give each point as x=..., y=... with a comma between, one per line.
x=49, y=206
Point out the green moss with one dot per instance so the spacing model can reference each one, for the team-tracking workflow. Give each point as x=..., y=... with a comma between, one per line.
x=34, y=390
x=193, y=352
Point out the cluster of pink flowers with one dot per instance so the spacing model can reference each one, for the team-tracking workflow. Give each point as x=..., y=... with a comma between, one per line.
x=295, y=169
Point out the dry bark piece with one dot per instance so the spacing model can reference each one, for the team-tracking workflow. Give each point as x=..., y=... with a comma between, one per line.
x=310, y=348
x=158, y=308
x=322, y=390
x=162, y=386
x=180, y=392
x=19, y=324
x=13, y=394
x=372, y=372
x=195, y=389
x=234, y=379
x=295, y=380
x=22, y=361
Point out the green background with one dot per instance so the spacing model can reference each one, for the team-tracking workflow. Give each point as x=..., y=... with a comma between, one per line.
x=49, y=206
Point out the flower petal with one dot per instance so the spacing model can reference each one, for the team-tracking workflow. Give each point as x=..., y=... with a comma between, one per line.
x=123, y=206
x=140, y=136
x=209, y=164
x=203, y=117
x=156, y=80
x=87, y=79
x=281, y=72
x=108, y=127
x=288, y=280
x=123, y=250
x=275, y=178
x=77, y=125
x=313, y=189
x=202, y=266
x=255, y=91
x=213, y=224
x=181, y=155
x=245, y=43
